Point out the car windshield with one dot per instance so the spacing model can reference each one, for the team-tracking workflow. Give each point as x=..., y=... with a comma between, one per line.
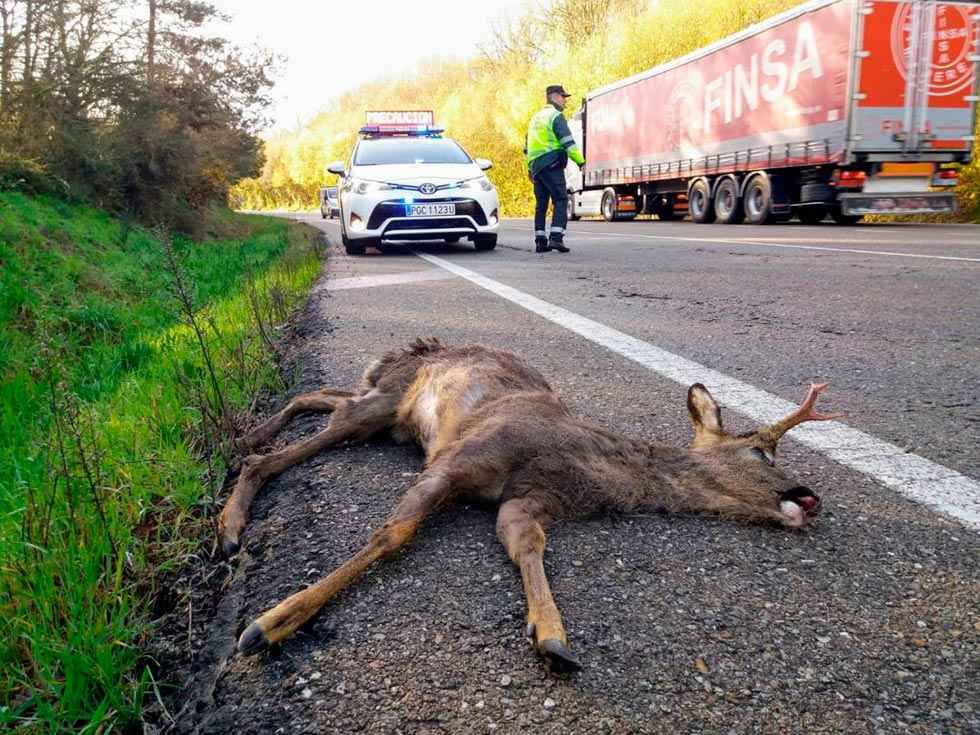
x=331, y=191
x=409, y=150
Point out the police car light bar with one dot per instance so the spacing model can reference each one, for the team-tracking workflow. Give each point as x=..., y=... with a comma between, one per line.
x=400, y=122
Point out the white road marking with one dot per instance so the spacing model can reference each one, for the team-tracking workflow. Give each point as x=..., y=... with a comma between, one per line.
x=915, y=477
x=734, y=241
x=384, y=279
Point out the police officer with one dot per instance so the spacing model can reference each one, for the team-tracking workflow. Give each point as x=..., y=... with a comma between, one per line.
x=549, y=146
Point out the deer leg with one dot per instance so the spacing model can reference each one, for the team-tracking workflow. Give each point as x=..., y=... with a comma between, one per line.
x=520, y=530
x=353, y=418
x=319, y=400
x=285, y=618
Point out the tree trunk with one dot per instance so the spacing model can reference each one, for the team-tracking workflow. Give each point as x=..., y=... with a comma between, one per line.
x=7, y=49
x=151, y=43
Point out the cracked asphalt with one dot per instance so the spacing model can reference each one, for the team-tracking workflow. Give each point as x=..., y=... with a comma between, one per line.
x=868, y=622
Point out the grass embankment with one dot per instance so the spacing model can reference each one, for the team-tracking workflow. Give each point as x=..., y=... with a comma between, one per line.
x=125, y=359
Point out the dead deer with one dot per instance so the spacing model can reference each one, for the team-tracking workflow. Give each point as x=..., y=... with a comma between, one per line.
x=493, y=431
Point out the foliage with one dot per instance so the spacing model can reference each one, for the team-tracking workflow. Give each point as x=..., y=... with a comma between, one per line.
x=129, y=104
x=485, y=102
x=126, y=357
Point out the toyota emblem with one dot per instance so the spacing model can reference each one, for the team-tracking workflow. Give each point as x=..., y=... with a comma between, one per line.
x=428, y=188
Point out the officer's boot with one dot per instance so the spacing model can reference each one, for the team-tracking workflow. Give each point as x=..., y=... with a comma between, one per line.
x=556, y=243
x=541, y=245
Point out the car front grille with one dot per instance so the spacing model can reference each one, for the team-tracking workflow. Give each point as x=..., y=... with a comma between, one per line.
x=396, y=208
x=426, y=223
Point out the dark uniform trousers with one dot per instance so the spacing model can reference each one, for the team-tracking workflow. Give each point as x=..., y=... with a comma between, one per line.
x=549, y=184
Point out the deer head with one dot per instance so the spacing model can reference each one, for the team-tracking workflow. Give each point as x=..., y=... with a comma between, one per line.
x=745, y=465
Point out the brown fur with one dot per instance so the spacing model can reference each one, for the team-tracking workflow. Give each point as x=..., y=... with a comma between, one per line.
x=493, y=431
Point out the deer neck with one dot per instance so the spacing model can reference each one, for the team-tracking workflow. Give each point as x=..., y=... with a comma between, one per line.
x=649, y=476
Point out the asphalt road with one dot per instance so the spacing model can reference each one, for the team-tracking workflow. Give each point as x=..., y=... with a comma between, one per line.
x=867, y=622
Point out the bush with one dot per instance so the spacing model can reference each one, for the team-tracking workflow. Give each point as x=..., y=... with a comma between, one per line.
x=28, y=176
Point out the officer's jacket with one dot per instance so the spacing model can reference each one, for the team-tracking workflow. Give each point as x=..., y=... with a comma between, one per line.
x=549, y=141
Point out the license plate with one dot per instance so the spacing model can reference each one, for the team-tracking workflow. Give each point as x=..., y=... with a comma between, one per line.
x=429, y=210
x=907, y=169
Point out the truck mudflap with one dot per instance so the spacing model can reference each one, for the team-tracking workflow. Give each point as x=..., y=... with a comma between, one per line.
x=897, y=203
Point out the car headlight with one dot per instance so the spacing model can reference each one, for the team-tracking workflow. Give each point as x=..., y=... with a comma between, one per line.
x=481, y=182
x=363, y=186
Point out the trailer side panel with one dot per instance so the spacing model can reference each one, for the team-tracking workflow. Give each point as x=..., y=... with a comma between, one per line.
x=775, y=98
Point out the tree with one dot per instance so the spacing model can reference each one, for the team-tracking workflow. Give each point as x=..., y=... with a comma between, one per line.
x=131, y=101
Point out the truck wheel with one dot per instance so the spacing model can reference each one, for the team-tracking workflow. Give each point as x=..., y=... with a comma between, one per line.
x=844, y=219
x=812, y=215
x=728, y=204
x=572, y=217
x=485, y=242
x=608, y=207
x=758, y=201
x=699, y=203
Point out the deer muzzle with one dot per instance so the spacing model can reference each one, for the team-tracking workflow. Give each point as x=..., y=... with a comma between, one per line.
x=798, y=505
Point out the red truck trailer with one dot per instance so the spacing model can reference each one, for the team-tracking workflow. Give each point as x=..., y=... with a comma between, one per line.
x=835, y=107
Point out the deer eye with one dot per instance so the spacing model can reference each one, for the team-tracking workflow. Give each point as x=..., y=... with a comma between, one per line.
x=764, y=456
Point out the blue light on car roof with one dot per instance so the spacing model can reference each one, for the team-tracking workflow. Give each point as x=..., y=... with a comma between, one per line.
x=379, y=131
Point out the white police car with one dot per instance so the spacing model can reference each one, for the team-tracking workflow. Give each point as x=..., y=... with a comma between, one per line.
x=405, y=181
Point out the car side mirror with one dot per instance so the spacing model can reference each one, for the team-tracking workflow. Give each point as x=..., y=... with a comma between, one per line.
x=484, y=164
x=337, y=167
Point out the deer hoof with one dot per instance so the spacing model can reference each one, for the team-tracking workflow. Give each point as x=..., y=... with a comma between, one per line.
x=559, y=658
x=230, y=547
x=252, y=640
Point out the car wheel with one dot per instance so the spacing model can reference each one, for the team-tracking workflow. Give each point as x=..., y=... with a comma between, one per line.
x=758, y=201
x=352, y=247
x=699, y=203
x=728, y=204
x=485, y=242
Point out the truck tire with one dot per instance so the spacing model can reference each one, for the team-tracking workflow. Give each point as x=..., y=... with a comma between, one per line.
x=572, y=217
x=699, y=203
x=812, y=215
x=728, y=204
x=844, y=219
x=608, y=206
x=757, y=201
x=485, y=242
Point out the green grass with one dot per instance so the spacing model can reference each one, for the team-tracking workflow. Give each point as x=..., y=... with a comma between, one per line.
x=111, y=431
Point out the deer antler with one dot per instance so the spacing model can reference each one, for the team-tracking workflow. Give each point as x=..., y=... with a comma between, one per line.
x=805, y=412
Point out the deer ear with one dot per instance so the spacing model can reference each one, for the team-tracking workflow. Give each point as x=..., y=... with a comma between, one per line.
x=705, y=414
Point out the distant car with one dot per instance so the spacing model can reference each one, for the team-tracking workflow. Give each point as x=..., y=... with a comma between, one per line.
x=417, y=186
x=329, y=204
